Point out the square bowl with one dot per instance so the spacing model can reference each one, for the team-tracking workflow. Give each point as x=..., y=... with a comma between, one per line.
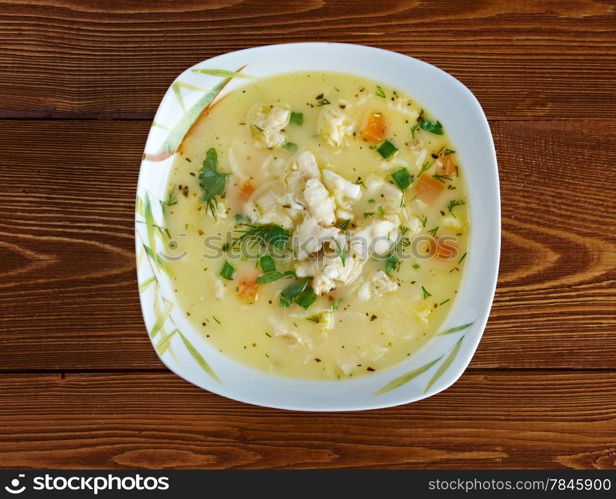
x=444, y=358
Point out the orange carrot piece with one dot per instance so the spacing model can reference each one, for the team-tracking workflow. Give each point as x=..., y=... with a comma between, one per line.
x=246, y=191
x=428, y=189
x=375, y=128
x=447, y=167
x=248, y=289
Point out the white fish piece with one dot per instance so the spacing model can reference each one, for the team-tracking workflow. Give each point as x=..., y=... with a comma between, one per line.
x=309, y=237
x=403, y=106
x=423, y=314
x=378, y=237
x=264, y=206
x=385, y=194
x=294, y=338
x=451, y=222
x=333, y=126
x=219, y=289
x=305, y=163
x=376, y=286
x=344, y=192
x=268, y=122
x=319, y=202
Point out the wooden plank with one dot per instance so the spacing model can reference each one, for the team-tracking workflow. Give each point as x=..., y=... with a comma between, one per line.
x=67, y=280
x=486, y=420
x=72, y=58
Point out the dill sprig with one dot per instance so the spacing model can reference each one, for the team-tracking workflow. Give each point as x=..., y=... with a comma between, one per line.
x=454, y=203
x=264, y=235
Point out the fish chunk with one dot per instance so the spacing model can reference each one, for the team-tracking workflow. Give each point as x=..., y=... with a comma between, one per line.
x=268, y=123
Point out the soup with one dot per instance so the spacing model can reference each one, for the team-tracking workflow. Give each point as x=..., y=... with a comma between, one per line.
x=319, y=224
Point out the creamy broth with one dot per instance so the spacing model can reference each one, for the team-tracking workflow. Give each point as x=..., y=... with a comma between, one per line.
x=332, y=155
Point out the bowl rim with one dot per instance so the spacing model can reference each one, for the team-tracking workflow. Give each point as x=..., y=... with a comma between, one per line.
x=453, y=370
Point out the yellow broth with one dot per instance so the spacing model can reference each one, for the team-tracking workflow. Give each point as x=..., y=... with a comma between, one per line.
x=339, y=335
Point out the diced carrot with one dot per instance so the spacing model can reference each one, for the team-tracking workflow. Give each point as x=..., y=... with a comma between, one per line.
x=247, y=289
x=375, y=128
x=246, y=191
x=427, y=188
x=447, y=167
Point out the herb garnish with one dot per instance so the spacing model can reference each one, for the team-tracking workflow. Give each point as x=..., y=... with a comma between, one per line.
x=413, y=129
x=289, y=146
x=300, y=293
x=430, y=126
x=453, y=204
x=425, y=292
x=265, y=235
x=322, y=100
x=433, y=231
x=392, y=262
x=267, y=263
x=212, y=182
x=297, y=118
x=344, y=225
x=227, y=271
x=380, y=92
x=425, y=167
x=273, y=276
x=387, y=149
x=402, y=178
x=441, y=178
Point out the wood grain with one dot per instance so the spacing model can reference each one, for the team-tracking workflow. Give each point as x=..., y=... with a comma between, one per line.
x=68, y=293
x=523, y=59
x=81, y=387
x=486, y=420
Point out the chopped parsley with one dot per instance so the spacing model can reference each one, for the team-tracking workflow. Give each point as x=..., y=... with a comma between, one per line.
x=297, y=118
x=387, y=149
x=380, y=92
x=212, y=182
x=344, y=225
x=392, y=262
x=402, y=178
x=300, y=293
x=267, y=263
x=227, y=271
x=322, y=100
x=433, y=231
x=425, y=292
x=434, y=127
x=289, y=146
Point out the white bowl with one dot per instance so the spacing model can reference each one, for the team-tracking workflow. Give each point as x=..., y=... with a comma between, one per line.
x=436, y=366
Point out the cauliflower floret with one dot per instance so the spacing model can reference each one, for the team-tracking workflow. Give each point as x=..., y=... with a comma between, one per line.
x=333, y=126
x=268, y=123
x=319, y=202
x=377, y=237
x=344, y=192
x=384, y=193
x=377, y=285
x=309, y=237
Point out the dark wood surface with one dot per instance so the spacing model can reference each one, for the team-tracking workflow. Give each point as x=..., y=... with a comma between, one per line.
x=80, y=385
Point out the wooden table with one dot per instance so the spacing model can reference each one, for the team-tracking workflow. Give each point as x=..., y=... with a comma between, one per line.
x=81, y=387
